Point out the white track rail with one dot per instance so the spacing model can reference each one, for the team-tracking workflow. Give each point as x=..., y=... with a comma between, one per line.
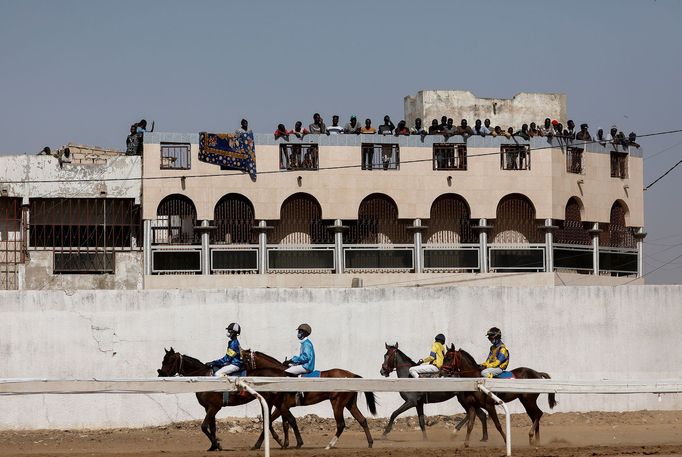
x=176, y=385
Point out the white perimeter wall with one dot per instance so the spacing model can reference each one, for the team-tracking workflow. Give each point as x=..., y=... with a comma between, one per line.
x=627, y=332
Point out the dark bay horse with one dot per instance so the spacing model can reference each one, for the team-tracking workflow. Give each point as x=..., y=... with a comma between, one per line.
x=175, y=363
x=395, y=359
x=460, y=363
x=259, y=364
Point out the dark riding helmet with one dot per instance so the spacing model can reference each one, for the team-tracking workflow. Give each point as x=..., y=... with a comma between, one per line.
x=441, y=338
x=305, y=328
x=234, y=328
x=494, y=333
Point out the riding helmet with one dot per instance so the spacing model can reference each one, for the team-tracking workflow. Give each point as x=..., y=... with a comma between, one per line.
x=494, y=333
x=234, y=327
x=440, y=337
x=305, y=328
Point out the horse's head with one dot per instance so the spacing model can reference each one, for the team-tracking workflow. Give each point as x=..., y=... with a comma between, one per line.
x=389, y=360
x=248, y=359
x=171, y=363
x=452, y=363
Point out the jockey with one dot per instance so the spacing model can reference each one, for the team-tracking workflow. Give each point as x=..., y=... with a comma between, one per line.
x=498, y=359
x=231, y=362
x=433, y=362
x=304, y=362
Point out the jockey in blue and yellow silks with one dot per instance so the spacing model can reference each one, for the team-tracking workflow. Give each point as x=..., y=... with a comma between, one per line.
x=231, y=362
x=432, y=362
x=498, y=358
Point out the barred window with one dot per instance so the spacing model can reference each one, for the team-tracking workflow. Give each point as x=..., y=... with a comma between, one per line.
x=449, y=156
x=175, y=156
x=574, y=160
x=380, y=156
x=298, y=157
x=619, y=165
x=515, y=157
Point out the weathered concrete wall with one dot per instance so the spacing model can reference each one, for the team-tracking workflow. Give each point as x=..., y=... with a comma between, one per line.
x=462, y=104
x=572, y=333
x=37, y=274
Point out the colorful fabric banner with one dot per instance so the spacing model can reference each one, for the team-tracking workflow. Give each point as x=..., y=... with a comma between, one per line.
x=231, y=151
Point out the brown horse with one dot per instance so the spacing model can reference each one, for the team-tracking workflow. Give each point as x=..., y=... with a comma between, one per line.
x=175, y=363
x=259, y=364
x=461, y=364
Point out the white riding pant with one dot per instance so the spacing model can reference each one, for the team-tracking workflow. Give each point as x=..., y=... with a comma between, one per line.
x=227, y=370
x=426, y=368
x=493, y=371
x=296, y=370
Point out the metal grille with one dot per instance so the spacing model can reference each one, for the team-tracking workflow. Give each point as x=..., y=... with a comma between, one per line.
x=617, y=235
x=301, y=222
x=450, y=222
x=380, y=156
x=574, y=160
x=175, y=222
x=619, y=164
x=378, y=223
x=12, y=244
x=515, y=221
x=515, y=157
x=175, y=156
x=234, y=220
x=571, y=229
x=298, y=157
x=449, y=156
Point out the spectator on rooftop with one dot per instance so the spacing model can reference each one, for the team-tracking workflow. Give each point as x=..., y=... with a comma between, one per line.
x=352, y=126
x=487, y=125
x=299, y=130
x=449, y=129
x=583, y=134
x=510, y=132
x=464, y=129
x=523, y=133
x=481, y=129
x=142, y=127
x=368, y=129
x=418, y=128
x=631, y=140
x=533, y=130
x=387, y=127
x=335, y=128
x=612, y=134
x=282, y=132
x=558, y=128
x=402, y=129
x=547, y=128
x=132, y=142
x=600, y=136
x=244, y=128
x=570, y=130
x=619, y=138
x=317, y=127
x=443, y=123
x=435, y=127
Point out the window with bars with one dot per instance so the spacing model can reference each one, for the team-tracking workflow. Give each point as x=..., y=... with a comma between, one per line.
x=175, y=156
x=515, y=157
x=574, y=160
x=619, y=164
x=378, y=156
x=449, y=156
x=298, y=157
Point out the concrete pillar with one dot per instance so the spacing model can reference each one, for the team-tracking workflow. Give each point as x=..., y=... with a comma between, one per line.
x=338, y=229
x=147, y=249
x=418, y=256
x=483, y=243
x=262, y=247
x=549, y=245
x=639, y=236
x=205, y=248
x=595, y=248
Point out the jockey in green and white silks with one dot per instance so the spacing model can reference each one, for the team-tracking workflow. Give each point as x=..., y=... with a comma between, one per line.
x=432, y=362
x=498, y=358
x=304, y=362
x=231, y=362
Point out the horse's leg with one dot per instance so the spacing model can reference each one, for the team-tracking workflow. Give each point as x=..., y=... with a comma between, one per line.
x=292, y=421
x=209, y=428
x=407, y=405
x=337, y=407
x=484, y=423
x=420, y=416
x=275, y=414
x=471, y=418
x=355, y=412
x=490, y=407
x=535, y=413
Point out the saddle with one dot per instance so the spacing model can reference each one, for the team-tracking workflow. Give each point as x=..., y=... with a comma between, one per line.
x=504, y=375
x=312, y=374
x=430, y=375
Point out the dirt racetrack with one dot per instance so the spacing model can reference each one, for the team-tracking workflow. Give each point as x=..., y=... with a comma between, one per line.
x=563, y=435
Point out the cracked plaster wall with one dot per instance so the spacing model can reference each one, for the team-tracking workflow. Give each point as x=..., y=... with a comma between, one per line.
x=569, y=332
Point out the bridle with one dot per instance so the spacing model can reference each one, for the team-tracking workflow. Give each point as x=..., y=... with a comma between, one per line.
x=248, y=359
x=390, y=357
x=454, y=366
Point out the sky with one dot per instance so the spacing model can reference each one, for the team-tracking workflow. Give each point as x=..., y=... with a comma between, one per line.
x=83, y=71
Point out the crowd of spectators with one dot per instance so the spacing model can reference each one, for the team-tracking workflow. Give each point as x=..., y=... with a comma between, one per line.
x=550, y=128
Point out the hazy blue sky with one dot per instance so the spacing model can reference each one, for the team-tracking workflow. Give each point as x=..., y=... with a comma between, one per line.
x=83, y=71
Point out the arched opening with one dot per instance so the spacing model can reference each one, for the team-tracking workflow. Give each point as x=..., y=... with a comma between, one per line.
x=176, y=218
x=378, y=223
x=515, y=221
x=571, y=229
x=450, y=221
x=301, y=222
x=617, y=235
x=233, y=217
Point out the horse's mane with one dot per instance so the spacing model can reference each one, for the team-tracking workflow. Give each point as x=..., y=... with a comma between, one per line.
x=405, y=355
x=189, y=358
x=269, y=358
x=469, y=358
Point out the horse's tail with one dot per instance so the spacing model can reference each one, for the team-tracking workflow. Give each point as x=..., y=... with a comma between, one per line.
x=371, y=401
x=550, y=397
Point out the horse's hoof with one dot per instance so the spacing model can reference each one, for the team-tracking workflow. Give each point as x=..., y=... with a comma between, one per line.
x=328, y=448
x=484, y=439
x=299, y=445
x=466, y=444
x=370, y=445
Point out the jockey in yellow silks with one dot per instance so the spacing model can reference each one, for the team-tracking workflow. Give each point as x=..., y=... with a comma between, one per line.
x=432, y=362
x=498, y=358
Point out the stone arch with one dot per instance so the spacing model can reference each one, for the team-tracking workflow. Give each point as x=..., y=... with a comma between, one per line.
x=515, y=221
x=176, y=217
x=617, y=234
x=233, y=217
x=450, y=221
x=572, y=229
x=378, y=223
x=301, y=222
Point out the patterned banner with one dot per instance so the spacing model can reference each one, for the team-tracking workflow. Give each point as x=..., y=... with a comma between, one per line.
x=229, y=150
